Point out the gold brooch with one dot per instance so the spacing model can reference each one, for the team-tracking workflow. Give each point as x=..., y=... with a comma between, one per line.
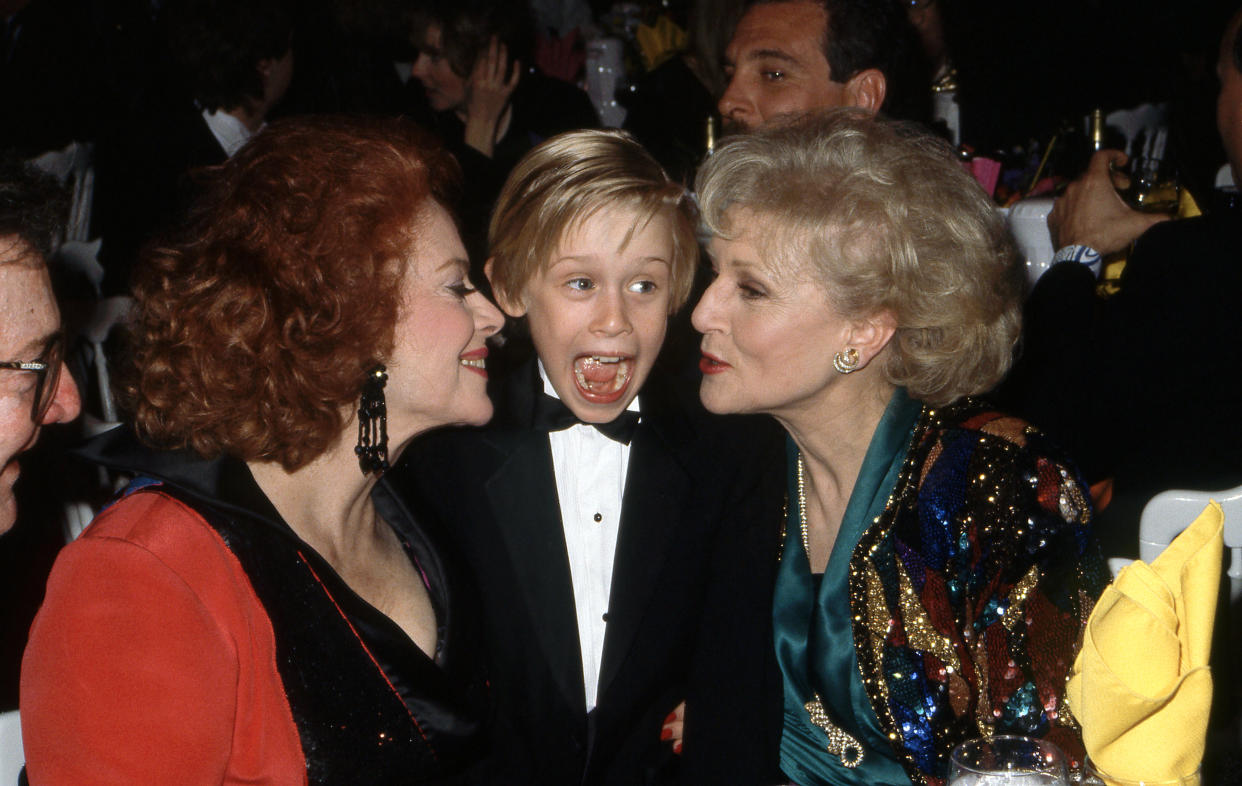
x=840, y=743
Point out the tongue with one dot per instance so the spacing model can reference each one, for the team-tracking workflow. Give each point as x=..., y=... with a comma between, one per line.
x=596, y=373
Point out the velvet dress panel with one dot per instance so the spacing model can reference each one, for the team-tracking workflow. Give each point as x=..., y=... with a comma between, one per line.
x=190, y=637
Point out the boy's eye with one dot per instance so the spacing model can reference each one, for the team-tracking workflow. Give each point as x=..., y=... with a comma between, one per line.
x=642, y=287
x=774, y=75
x=580, y=284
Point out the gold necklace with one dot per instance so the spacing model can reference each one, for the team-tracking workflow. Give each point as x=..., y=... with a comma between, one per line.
x=840, y=743
x=806, y=541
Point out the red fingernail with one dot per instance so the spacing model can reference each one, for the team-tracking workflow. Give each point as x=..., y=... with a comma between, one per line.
x=677, y=747
x=672, y=716
x=666, y=734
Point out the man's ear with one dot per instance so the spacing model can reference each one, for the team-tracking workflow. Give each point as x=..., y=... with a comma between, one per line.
x=511, y=306
x=265, y=66
x=866, y=90
x=870, y=335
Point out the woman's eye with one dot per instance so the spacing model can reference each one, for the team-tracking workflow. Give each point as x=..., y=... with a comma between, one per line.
x=461, y=289
x=580, y=284
x=774, y=76
x=642, y=287
x=750, y=291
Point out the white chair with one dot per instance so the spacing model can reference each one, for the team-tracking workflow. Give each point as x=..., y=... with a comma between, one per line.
x=604, y=74
x=81, y=259
x=1170, y=512
x=1145, y=127
x=12, y=757
x=1028, y=220
x=74, y=165
x=108, y=313
x=1224, y=177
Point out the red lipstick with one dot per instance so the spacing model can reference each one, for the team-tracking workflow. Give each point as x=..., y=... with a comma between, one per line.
x=475, y=361
x=710, y=364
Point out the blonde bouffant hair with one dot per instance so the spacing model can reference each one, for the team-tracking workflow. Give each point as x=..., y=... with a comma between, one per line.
x=884, y=218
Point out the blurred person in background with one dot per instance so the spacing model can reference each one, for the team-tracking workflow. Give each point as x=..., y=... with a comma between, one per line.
x=230, y=62
x=489, y=105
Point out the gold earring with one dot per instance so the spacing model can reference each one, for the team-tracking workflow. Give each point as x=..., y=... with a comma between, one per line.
x=846, y=362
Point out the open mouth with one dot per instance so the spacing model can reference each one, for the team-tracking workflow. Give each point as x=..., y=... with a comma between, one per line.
x=476, y=361
x=603, y=378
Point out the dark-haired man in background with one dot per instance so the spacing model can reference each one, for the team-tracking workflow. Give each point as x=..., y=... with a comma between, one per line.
x=790, y=56
x=230, y=63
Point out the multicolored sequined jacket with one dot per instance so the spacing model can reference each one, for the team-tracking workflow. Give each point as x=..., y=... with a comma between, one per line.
x=970, y=590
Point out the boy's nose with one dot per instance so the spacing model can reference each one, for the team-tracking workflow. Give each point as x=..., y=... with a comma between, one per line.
x=611, y=316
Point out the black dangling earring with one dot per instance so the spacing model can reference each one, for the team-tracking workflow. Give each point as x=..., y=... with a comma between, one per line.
x=372, y=449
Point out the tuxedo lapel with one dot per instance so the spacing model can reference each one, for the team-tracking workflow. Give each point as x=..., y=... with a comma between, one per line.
x=535, y=542
x=655, y=491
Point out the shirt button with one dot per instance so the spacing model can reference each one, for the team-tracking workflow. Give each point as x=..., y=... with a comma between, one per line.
x=605, y=616
x=598, y=518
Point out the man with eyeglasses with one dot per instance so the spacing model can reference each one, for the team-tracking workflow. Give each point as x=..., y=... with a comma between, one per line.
x=33, y=389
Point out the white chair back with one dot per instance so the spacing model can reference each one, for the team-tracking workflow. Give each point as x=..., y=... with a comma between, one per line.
x=12, y=757
x=74, y=165
x=1224, y=177
x=1145, y=127
x=605, y=72
x=1028, y=220
x=109, y=312
x=81, y=259
x=1170, y=512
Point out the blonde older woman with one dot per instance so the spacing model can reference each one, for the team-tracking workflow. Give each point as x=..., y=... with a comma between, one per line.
x=937, y=562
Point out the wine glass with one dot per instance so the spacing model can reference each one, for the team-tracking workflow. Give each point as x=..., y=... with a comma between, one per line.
x=1007, y=761
x=1094, y=776
x=1154, y=186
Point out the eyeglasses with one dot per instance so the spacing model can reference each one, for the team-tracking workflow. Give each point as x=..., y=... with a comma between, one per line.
x=47, y=374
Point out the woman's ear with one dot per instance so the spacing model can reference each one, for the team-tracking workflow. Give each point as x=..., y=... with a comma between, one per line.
x=870, y=335
x=513, y=307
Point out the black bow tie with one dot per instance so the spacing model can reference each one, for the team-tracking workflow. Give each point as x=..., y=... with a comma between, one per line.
x=551, y=414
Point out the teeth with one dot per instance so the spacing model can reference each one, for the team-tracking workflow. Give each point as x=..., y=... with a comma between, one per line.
x=619, y=381
x=474, y=362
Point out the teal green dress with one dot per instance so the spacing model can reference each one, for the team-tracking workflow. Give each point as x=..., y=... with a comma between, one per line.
x=813, y=630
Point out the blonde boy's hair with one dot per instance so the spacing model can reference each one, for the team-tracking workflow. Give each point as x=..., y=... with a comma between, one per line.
x=563, y=182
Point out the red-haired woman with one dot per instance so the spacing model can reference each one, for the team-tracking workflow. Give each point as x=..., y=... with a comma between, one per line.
x=258, y=607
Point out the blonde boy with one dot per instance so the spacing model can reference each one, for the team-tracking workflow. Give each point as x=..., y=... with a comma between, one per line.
x=590, y=505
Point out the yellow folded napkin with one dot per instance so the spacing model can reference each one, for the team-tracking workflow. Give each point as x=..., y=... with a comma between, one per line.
x=1140, y=686
x=659, y=42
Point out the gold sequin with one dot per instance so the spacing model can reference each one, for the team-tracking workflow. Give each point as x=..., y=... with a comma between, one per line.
x=1018, y=596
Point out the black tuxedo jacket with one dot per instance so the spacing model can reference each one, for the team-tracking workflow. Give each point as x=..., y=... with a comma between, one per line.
x=1142, y=387
x=143, y=184
x=693, y=481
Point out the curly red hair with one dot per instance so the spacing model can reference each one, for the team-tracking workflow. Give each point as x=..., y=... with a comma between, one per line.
x=257, y=320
